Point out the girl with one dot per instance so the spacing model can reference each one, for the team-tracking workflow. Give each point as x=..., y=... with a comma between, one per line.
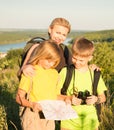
x=42, y=86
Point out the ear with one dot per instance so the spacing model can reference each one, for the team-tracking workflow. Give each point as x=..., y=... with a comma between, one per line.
x=90, y=58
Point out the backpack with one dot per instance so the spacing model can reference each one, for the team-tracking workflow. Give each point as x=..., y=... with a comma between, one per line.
x=69, y=73
x=38, y=40
x=30, y=43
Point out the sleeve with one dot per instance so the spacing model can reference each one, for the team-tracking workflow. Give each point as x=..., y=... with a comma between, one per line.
x=101, y=86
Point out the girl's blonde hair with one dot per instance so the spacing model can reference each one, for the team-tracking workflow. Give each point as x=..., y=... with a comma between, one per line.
x=61, y=22
x=82, y=47
x=46, y=50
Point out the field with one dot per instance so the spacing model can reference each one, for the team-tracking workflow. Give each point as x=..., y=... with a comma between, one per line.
x=103, y=57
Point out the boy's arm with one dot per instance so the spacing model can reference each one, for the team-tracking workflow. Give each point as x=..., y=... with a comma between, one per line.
x=101, y=98
x=96, y=99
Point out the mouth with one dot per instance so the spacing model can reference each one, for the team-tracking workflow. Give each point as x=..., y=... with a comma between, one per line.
x=57, y=40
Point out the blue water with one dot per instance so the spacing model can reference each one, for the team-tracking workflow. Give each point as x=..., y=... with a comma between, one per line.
x=7, y=47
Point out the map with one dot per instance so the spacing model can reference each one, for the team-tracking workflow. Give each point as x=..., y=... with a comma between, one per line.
x=57, y=110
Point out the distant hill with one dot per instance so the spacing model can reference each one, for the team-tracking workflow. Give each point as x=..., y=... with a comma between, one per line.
x=101, y=36
x=20, y=35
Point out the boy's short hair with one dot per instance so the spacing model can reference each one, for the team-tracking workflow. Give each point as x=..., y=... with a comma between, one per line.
x=61, y=22
x=82, y=47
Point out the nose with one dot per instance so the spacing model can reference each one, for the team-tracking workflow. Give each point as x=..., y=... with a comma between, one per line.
x=51, y=64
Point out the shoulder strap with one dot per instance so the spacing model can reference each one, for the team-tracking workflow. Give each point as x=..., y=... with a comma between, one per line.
x=66, y=53
x=36, y=40
x=95, y=81
x=68, y=78
x=95, y=84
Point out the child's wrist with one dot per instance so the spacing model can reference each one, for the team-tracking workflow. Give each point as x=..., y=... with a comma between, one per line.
x=98, y=101
x=31, y=105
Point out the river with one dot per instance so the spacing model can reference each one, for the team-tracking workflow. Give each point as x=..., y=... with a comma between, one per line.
x=6, y=47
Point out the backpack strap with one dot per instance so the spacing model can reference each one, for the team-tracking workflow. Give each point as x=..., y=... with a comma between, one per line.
x=95, y=81
x=69, y=73
x=66, y=53
x=95, y=84
x=36, y=40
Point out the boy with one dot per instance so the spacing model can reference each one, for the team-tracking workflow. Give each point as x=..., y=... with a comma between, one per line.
x=81, y=83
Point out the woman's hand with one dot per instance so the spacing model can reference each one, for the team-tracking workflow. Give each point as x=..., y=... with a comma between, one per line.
x=28, y=70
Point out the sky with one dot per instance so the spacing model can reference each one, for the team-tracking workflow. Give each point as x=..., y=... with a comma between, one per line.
x=38, y=14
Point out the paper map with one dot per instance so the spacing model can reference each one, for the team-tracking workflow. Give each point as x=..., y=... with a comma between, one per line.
x=57, y=110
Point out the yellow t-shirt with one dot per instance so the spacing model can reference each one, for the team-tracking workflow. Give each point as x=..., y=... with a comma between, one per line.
x=44, y=84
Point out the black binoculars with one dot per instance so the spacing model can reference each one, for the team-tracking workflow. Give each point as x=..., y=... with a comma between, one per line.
x=83, y=96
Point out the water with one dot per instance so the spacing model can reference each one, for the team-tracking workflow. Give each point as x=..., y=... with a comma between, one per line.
x=7, y=47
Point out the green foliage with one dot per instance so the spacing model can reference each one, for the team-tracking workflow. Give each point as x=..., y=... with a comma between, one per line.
x=3, y=120
x=103, y=57
x=100, y=36
x=107, y=114
x=11, y=60
x=8, y=87
x=13, y=36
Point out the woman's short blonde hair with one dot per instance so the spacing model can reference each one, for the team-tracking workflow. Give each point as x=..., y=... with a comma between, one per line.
x=61, y=22
x=46, y=50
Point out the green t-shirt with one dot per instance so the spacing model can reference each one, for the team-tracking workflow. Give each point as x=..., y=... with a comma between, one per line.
x=86, y=113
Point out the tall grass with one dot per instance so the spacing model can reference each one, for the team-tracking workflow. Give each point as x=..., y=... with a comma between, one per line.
x=9, y=109
x=107, y=114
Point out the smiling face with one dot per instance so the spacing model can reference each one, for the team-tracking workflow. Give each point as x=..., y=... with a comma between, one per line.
x=82, y=51
x=58, y=33
x=81, y=62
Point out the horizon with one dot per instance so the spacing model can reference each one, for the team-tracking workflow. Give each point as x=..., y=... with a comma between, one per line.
x=44, y=29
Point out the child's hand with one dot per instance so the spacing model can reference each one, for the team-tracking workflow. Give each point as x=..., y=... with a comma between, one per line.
x=93, y=67
x=91, y=100
x=76, y=101
x=36, y=107
x=67, y=101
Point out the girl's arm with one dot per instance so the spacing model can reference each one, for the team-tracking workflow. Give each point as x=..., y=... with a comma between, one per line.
x=20, y=99
x=65, y=98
